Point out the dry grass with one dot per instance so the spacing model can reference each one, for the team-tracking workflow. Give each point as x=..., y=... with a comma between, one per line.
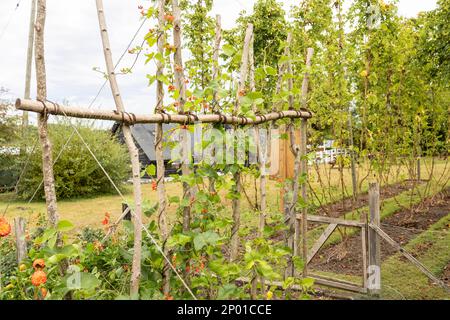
x=90, y=211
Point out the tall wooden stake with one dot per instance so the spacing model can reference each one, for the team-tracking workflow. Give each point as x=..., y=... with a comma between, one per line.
x=215, y=75
x=304, y=162
x=374, y=241
x=136, y=170
x=41, y=78
x=300, y=165
x=180, y=85
x=29, y=61
x=21, y=243
x=236, y=203
x=295, y=149
x=159, y=151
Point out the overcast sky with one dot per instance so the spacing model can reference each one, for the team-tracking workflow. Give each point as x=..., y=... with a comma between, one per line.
x=73, y=47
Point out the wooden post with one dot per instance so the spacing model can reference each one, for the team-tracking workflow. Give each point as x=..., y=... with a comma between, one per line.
x=374, y=281
x=303, y=172
x=125, y=208
x=41, y=78
x=352, y=157
x=21, y=243
x=236, y=203
x=134, y=155
x=215, y=76
x=159, y=151
x=418, y=169
x=180, y=85
x=29, y=62
x=304, y=162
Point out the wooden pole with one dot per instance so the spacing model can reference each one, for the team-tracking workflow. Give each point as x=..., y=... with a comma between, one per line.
x=41, y=78
x=180, y=85
x=236, y=204
x=21, y=243
x=374, y=285
x=29, y=61
x=134, y=155
x=159, y=151
x=300, y=167
x=216, y=52
x=215, y=76
x=130, y=118
x=303, y=156
x=295, y=149
x=352, y=157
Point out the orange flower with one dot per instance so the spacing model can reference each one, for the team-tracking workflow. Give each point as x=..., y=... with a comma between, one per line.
x=242, y=93
x=39, y=264
x=43, y=292
x=38, y=278
x=106, y=219
x=178, y=68
x=154, y=185
x=168, y=297
x=204, y=211
x=171, y=88
x=169, y=18
x=5, y=228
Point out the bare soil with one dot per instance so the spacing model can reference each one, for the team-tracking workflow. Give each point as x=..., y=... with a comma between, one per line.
x=403, y=226
x=338, y=208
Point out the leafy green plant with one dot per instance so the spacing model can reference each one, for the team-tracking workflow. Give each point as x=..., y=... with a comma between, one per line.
x=76, y=171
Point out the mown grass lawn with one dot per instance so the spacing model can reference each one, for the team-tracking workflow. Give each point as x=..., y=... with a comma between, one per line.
x=90, y=211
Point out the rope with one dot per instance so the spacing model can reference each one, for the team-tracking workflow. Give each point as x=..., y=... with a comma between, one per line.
x=9, y=20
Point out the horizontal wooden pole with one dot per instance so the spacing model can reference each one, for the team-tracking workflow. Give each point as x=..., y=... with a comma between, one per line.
x=338, y=284
x=342, y=222
x=84, y=113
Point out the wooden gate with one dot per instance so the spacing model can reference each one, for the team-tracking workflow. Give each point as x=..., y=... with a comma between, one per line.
x=333, y=224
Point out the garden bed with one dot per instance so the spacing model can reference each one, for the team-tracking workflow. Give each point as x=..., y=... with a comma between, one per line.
x=339, y=208
x=402, y=226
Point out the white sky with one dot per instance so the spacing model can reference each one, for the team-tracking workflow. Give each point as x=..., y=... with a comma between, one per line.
x=73, y=47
